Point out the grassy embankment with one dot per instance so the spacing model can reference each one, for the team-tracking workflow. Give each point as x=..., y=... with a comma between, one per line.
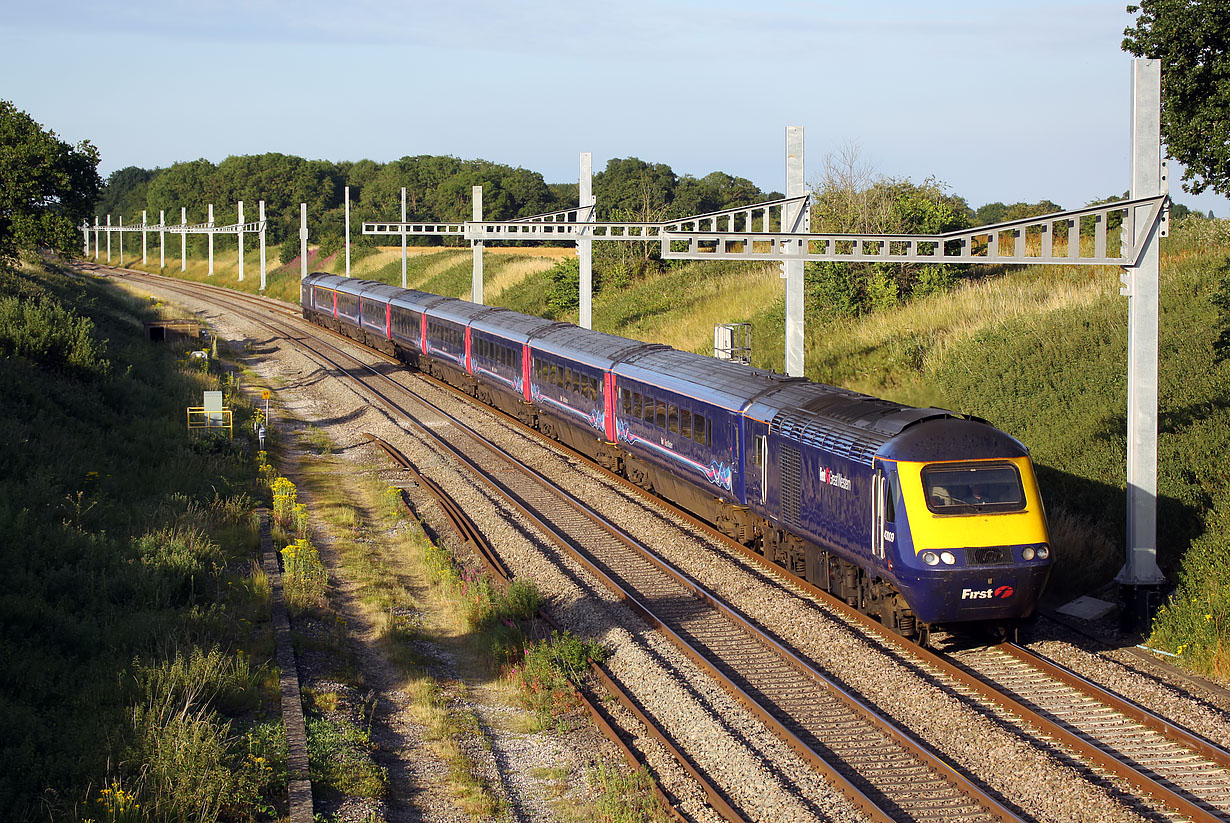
x=437, y=270
x=138, y=682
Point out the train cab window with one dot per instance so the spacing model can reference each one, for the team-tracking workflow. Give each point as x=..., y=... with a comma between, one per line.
x=973, y=488
x=685, y=423
x=672, y=417
x=890, y=501
x=700, y=429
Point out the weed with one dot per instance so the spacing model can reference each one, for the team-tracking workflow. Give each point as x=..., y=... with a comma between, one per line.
x=339, y=757
x=304, y=578
x=625, y=797
x=318, y=441
x=549, y=672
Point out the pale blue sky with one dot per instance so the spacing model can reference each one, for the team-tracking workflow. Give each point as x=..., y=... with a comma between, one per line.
x=1002, y=100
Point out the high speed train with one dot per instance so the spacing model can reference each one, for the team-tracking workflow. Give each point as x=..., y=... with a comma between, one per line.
x=919, y=517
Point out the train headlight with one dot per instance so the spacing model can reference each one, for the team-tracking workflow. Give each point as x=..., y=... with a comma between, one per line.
x=1043, y=552
x=948, y=558
x=930, y=558
x=1027, y=553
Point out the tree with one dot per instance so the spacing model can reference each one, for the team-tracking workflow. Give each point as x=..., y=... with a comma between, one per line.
x=47, y=187
x=1191, y=38
x=852, y=198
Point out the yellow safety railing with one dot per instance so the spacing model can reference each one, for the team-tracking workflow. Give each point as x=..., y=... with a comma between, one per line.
x=199, y=418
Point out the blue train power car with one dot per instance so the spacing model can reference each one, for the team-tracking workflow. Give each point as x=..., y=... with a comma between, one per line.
x=920, y=517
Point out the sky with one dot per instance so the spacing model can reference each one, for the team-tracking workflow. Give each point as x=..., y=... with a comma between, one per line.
x=1002, y=101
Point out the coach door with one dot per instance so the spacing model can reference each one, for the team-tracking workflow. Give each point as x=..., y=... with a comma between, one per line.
x=756, y=460
x=879, y=504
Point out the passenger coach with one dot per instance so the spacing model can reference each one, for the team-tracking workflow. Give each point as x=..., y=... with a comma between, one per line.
x=920, y=517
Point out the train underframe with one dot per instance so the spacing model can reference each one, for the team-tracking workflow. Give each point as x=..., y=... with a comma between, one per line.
x=847, y=581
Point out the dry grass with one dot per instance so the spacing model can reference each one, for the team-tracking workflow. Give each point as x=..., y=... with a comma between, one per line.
x=936, y=324
x=507, y=275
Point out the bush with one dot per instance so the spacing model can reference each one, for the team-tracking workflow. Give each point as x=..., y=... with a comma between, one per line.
x=550, y=671
x=54, y=337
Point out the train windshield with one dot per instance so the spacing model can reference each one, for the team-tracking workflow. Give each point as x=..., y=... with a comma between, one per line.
x=973, y=488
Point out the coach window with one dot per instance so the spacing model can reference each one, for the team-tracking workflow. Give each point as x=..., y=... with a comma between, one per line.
x=672, y=416
x=661, y=414
x=685, y=423
x=636, y=405
x=593, y=388
x=647, y=412
x=699, y=427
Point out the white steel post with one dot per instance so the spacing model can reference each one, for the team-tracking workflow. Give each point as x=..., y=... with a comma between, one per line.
x=403, y=237
x=476, y=283
x=144, y=259
x=303, y=238
x=585, y=244
x=85, y=230
x=108, y=238
x=97, y=235
x=162, y=239
x=792, y=270
x=121, y=240
x=183, y=239
x=1141, y=287
x=211, y=239
x=239, y=234
x=348, y=231
x=262, y=243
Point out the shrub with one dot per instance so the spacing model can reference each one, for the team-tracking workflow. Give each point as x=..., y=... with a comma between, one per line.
x=54, y=337
x=550, y=671
x=284, y=494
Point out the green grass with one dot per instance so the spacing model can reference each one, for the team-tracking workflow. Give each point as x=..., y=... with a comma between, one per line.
x=133, y=623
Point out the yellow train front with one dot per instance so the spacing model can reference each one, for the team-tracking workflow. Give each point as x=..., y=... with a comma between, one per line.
x=970, y=543
x=920, y=517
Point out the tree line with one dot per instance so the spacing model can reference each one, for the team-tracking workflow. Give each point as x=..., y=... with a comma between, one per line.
x=438, y=188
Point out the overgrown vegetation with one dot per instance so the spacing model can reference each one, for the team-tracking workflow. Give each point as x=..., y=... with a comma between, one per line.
x=138, y=683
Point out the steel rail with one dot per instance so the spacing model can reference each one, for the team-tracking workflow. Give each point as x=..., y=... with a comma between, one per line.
x=469, y=532
x=1167, y=728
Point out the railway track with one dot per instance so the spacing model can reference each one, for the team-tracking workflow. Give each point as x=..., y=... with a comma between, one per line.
x=878, y=766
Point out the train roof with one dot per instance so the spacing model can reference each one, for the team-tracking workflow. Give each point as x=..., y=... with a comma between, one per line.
x=593, y=348
x=860, y=427
x=351, y=285
x=461, y=312
x=416, y=300
x=952, y=438
x=379, y=291
x=720, y=382
x=319, y=278
x=513, y=325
